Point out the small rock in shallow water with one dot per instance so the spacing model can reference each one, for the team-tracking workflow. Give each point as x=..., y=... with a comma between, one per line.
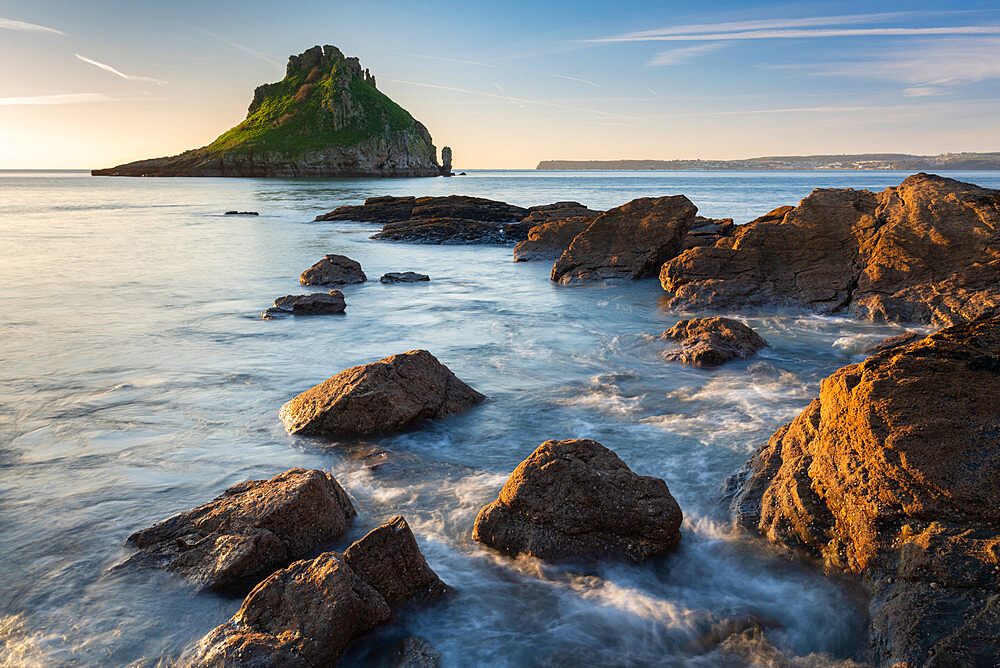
x=577, y=499
x=404, y=277
x=333, y=270
x=382, y=397
x=242, y=213
x=709, y=342
x=318, y=303
x=250, y=530
x=307, y=613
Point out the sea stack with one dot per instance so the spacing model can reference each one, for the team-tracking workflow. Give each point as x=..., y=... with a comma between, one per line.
x=326, y=118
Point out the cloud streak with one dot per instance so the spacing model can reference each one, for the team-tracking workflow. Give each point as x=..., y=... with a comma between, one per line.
x=674, y=56
x=11, y=24
x=241, y=47
x=70, y=98
x=811, y=33
x=111, y=70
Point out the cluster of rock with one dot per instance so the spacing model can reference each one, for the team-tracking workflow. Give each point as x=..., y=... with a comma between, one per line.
x=382, y=397
x=708, y=342
x=891, y=473
x=553, y=228
x=927, y=250
x=317, y=303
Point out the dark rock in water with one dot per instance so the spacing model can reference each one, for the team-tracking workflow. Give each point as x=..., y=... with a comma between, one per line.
x=318, y=303
x=382, y=397
x=710, y=342
x=927, y=250
x=461, y=174
x=388, y=209
x=389, y=560
x=546, y=213
x=893, y=342
x=404, y=277
x=891, y=473
x=577, y=499
x=416, y=652
x=249, y=531
x=333, y=270
x=630, y=241
x=242, y=213
x=307, y=614
x=325, y=118
x=449, y=231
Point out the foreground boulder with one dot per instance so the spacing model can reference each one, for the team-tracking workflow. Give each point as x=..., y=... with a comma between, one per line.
x=630, y=241
x=710, y=342
x=318, y=303
x=404, y=277
x=892, y=473
x=925, y=251
x=307, y=614
x=577, y=499
x=382, y=397
x=333, y=270
x=249, y=531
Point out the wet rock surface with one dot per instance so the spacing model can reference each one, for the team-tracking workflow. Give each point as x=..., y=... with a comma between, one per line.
x=706, y=232
x=627, y=242
x=709, y=342
x=891, y=473
x=388, y=209
x=382, y=397
x=451, y=231
x=576, y=499
x=553, y=230
x=248, y=531
x=333, y=270
x=307, y=614
x=927, y=250
x=404, y=277
x=318, y=303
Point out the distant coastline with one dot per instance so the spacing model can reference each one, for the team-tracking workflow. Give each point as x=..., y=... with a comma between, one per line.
x=858, y=162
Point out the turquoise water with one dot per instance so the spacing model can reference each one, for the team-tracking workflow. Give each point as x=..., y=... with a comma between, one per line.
x=138, y=381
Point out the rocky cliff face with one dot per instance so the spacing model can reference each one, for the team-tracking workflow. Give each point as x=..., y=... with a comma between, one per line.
x=325, y=118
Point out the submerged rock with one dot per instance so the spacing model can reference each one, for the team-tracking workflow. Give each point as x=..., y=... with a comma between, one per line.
x=249, y=531
x=416, y=652
x=404, y=277
x=630, y=241
x=307, y=614
x=242, y=213
x=891, y=473
x=318, y=303
x=925, y=251
x=382, y=397
x=709, y=342
x=449, y=231
x=333, y=270
x=388, y=209
x=577, y=499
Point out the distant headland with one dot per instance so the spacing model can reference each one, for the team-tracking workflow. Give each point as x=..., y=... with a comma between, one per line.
x=326, y=118
x=860, y=161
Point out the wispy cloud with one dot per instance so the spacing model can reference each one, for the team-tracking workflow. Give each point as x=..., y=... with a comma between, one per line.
x=569, y=78
x=11, y=24
x=674, y=56
x=241, y=47
x=814, y=33
x=513, y=101
x=70, y=98
x=795, y=110
x=108, y=68
x=509, y=98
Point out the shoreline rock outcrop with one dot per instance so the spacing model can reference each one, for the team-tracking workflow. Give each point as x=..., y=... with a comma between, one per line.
x=576, y=499
x=317, y=303
x=326, y=118
x=306, y=614
x=248, y=531
x=333, y=270
x=551, y=229
x=891, y=473
x=708, y=342
x=627, y=242
x=382, y=397
x=927, y=250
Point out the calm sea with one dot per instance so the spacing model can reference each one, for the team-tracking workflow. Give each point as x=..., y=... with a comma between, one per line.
x=138, y=381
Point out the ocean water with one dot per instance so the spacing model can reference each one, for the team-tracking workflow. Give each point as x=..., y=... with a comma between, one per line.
x=138, y=381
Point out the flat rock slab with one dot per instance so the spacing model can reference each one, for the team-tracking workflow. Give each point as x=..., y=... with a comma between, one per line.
x=451, y=231
x=891, y=473
x=242, y=213
x=627, y=242
x=576, y=499
x=404, y=277
x=249, y=531
x=318, y=303
x=307, y=614
x=708, y=342
x=333, y=270
x=382, y=397
x=387, y=209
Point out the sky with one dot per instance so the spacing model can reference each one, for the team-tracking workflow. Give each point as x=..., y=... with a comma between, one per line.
x=506, y=84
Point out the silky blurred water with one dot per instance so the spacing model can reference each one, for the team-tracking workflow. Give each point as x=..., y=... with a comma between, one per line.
x=138, y=380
